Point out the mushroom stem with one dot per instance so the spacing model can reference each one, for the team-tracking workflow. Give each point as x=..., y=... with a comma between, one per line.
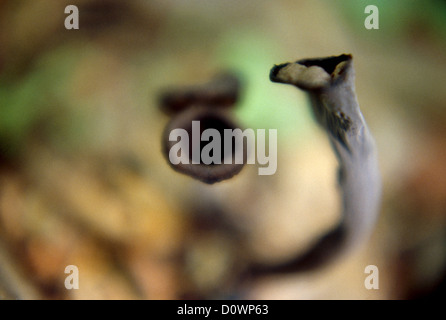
x=329, y=83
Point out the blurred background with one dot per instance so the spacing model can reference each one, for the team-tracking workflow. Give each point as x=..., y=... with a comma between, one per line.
x=83, y=181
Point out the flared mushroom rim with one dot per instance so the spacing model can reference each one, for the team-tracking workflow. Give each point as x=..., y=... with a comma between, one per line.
x=313, y=74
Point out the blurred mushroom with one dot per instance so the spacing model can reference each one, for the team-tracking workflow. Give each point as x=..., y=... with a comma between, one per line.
x=194, y=110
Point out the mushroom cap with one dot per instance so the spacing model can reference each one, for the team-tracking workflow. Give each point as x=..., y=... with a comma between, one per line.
x=209, y=118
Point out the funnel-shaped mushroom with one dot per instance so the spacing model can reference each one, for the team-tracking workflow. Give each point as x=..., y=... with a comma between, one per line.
x=329, y=83
x=194, y=110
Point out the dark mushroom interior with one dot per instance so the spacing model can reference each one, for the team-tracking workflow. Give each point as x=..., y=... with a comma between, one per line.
x=328, y=64
x=212, y=121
